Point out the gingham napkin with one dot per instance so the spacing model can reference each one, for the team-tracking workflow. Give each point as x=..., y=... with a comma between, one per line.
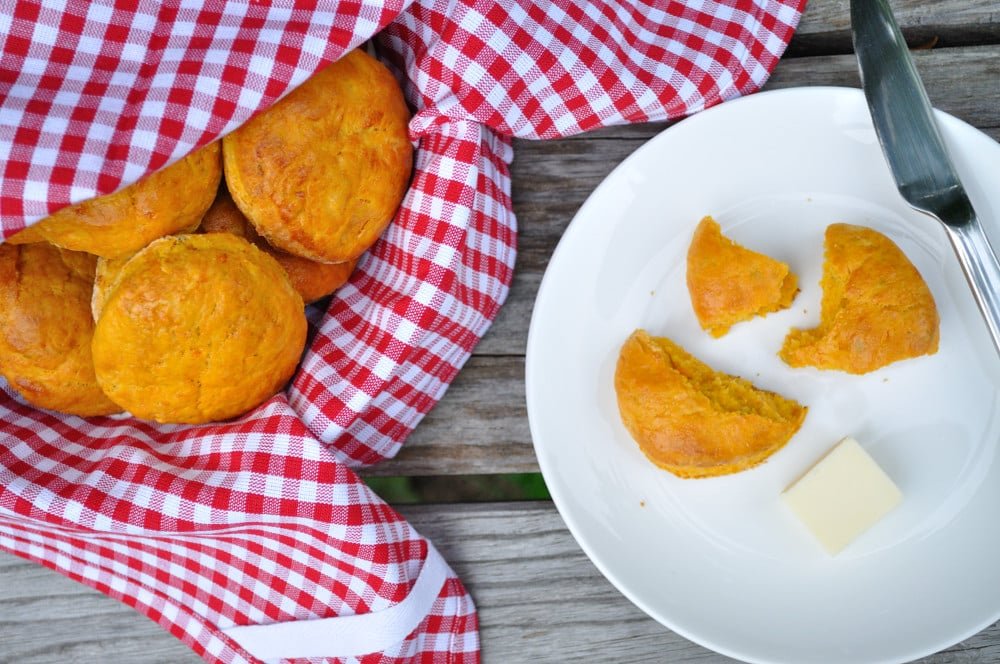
x=254, y=540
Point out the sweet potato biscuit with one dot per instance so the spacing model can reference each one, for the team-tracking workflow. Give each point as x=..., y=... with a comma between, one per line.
x=876, y=308
x=198, y=328
x=169, y=201
x=105, y=275
x=80, y=263
x=312, y=280
x=29, y=235
x=729, y=283
x=692, y=420
x=322, y=172
x=46, y=328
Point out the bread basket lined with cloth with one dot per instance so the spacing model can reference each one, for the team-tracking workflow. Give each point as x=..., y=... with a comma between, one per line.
x=253, y=539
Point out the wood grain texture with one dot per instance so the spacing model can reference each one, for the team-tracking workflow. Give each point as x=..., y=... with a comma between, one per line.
x=539, y=598
x=479, y=426
x=825, y=26
x=46, y=618
x=972, y=96
x=831, y=15
x=552, y=179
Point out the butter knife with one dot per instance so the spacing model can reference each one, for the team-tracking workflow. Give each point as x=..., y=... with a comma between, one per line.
x=915, y=151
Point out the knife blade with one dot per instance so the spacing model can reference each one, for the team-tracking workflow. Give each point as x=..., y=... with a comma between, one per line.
x=915, y=150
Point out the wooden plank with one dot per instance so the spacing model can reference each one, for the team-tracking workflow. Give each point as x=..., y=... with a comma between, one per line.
x=480, y=426
x=833, y=15
x=552, y=179
x=825, y=27
x=539, y=599
x=962, y=81
x=46, y=618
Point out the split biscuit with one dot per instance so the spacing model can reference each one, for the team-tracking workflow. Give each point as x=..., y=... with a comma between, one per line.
x=729, y=283
x=692, y=420
x=876, y=308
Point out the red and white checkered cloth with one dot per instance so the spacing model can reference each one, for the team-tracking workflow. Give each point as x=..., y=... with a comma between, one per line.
x=210, y=530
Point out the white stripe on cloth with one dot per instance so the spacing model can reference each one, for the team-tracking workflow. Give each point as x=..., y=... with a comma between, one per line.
x=347, y=636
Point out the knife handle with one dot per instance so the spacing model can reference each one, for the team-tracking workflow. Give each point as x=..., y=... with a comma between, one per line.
x=982, y=270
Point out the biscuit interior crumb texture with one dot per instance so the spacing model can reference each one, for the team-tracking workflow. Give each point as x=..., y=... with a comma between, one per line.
x=692, y=420
x=876, y=308
x=729, y=283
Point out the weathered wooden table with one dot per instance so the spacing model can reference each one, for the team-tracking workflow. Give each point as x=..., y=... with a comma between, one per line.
x=539, y=597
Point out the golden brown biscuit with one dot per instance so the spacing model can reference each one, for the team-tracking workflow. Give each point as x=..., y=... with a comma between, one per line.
x=169, y=201
x=29, y=235
x=322, y=172
x=694, y=421
x=46, y=329
x=311, y=279
x=729, y=283
x=198, y=328
x=107, y=271
x=80, y=263
x=876, y=308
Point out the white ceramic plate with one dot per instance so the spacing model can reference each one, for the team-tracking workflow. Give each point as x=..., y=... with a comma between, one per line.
x=722, y=561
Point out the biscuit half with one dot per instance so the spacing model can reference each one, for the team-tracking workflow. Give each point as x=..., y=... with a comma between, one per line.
x=692, y=420
x=876, y=308
x=729, y=283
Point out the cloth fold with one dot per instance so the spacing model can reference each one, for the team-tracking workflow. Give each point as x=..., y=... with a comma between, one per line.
x=262, y=521
x=353, y=635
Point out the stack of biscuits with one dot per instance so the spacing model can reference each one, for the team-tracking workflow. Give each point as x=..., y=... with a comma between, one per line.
x=180, y=299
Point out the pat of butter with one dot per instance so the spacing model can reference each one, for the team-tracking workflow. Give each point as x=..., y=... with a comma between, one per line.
x=842, y=496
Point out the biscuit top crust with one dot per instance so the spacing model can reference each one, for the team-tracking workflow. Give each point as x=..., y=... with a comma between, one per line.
x=46, y=328
x=168, y=201
x=321, y=173
x=198, y=328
